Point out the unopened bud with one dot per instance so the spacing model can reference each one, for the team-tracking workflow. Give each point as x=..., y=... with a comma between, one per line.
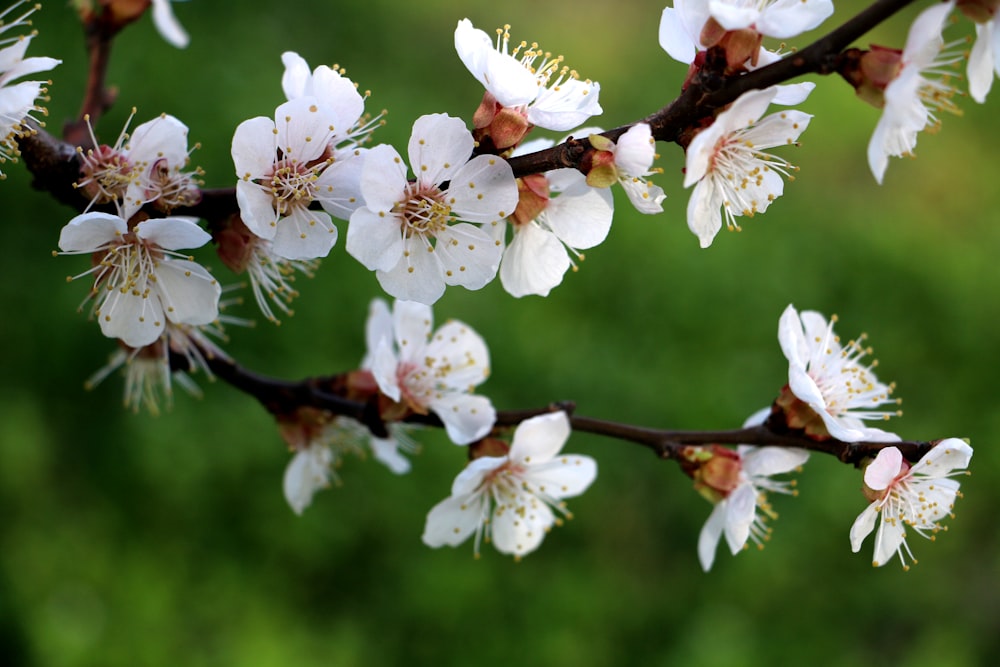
x=533, y=198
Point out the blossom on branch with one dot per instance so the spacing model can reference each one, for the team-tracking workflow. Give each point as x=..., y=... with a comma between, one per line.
x=626, y=162
x=525, y=87
x=557, y=213
x=509, y=499
x=830, y=392
x=407, y=232
x=17, y=100
x=905, y=496
x=141, y=282
x=911, y=85
x=434, y=372
x=728, y=165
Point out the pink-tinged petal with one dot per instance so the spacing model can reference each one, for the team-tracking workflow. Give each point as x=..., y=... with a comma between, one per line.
x=883, y=470
x=539, y=439
x=412, y=322
x=767, y=461
x=307, y=472
x=563, y=477
x=257, y=209
x=459, y=355
x=338, y=94
x=520, y=526
x=383, y=179
x=303, y=129
x=338, y=188
x=167, y=24
x=789, y=18
x=708, y=539
x=164, y=137
x=704, y=216
x=384, y=365
x=439, y=145
x=374, y=240
x=296, y=78
x=947, y=455
x=581, y=215
x=863, y=526
x=679, y=43
x=563, y=107
x=173, y=233
x=135, y=319
x=468, y=256
x=466, y=418
x=740, y=508
x=417, y=276
x=453, y=520
x=253, y=148
x=483, y=190
x=534, y=262
x=188, y=292
x=89, y=231
x=304, y=234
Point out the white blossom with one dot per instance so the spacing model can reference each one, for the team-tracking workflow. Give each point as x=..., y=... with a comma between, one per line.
x=432, y=372
x=727, y=163
x=408, y=232
x=904, y=496
x=548, y=93
x=140, y=281
x=832, y=379
x=510, y=499
x=772, y=18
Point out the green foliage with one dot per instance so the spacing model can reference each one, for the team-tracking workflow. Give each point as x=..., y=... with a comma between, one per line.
x=129, y=540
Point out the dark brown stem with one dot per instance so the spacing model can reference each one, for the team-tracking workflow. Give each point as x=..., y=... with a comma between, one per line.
x=97, y=98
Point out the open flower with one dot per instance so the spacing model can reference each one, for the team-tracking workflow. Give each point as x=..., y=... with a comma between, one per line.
x=917, y=89
x=426, y=372
x=728, y=165
x=510, y=499
x=141, y=282
x=828, y=381
x=528, y=80
x=737, y=482
x=905, y=496
x=627, y=162
x=407, y=232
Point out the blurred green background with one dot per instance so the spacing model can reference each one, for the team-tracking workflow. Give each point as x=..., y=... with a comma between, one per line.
x=131, y=540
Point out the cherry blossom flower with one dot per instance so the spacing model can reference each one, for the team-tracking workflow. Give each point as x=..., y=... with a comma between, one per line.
x=905, y=496
x=405, y=231
x=984, y=59
x=539, y=87
x=141, y=168
x=17, y=100
x=167, y=24
x=918, y=88
x=428, y=372
x=737, y=482
x=282, y=165
x=556, y=212
x=829, y=381
x=510, y=499
x=141, y=282
x=728, y=165
x=627, y=162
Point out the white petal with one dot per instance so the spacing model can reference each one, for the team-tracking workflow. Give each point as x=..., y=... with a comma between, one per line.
x=386, y=451
x=507, y=79
x=888, y=538
x=791, y=337
x=168, y=25
x=534, y=262
x=412, y=322
x=383, y=366
x=383, y=179
x=733, y=16
x=793, y=93
x=378, y=327
x=338, y=94
x=459, y=356
x=304, y=234
x=980, y=67
x=635, y=151
x=135, y=319
x=307, y=472
x=563, y=107
x=740, y=507
x=453, y=520
x=767, y=461
x=188, y=292
x=439, y=146
x=303, y=129
x=466, y=418
x=678, y=43
x=173, y=233
x=164, y=137
x=253, y=147
x=375, y=241
x=338, y=188
x=789, y=18
x=417, y=276
x=581, y=215
x=645, y=197
x=539, y=439
x=483, y=190
x=863, y=526
x=564, y=477
x=520, y=526
x=296, y=78
x=468, y=256
x=708, y=539
x=257, y=209
x=704, y=215
x=947, y=455
x=89, y=231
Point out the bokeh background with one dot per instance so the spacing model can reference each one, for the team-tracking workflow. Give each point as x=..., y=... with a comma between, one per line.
x=132, y=540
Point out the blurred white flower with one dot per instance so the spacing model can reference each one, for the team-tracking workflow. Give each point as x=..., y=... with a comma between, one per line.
x=167, y=24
